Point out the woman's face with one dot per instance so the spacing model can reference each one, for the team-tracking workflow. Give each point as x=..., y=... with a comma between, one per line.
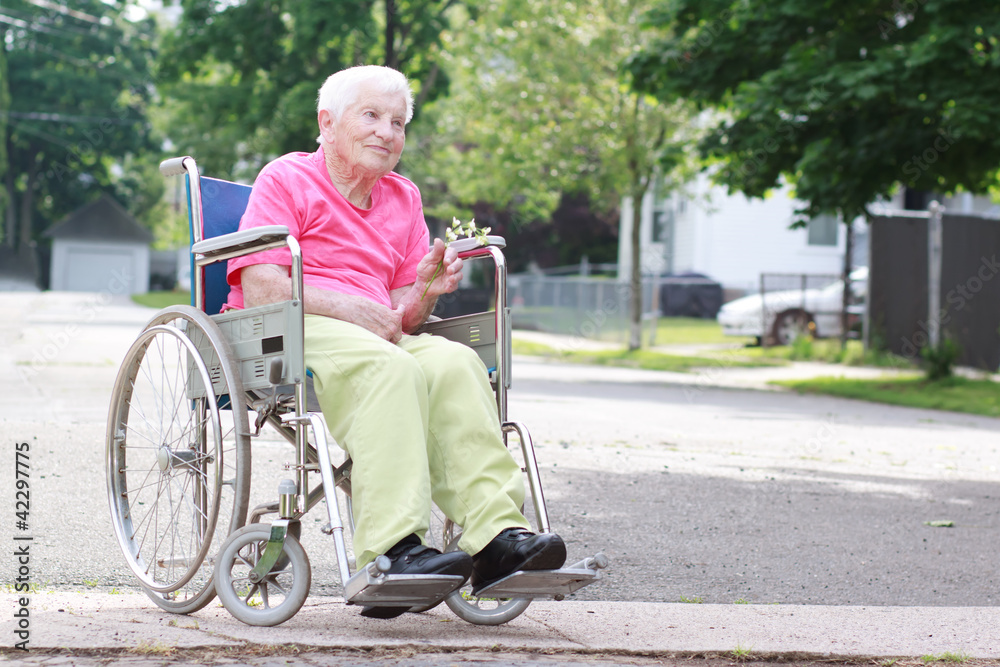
x=369, y=138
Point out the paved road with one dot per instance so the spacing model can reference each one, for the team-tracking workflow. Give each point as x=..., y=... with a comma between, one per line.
x=696, y=492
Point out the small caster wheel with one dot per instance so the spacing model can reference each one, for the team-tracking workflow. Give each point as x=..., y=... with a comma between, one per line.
x=278, y=596
x=474, y=609
x=485, y=610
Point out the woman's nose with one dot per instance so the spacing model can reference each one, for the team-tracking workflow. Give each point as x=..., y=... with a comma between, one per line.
x=384, y=129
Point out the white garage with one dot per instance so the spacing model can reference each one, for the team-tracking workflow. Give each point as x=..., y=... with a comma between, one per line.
x=100, y=248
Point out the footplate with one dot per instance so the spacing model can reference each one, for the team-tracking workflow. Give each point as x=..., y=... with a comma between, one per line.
x=547, y=583
x=371, y=586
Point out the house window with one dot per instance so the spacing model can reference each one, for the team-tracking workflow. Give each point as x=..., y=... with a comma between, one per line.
x=822, y=230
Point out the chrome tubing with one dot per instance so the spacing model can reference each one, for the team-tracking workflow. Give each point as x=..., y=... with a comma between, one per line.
x=503, y=325
x=330, y=491
x=301, y=402
x=531, y=468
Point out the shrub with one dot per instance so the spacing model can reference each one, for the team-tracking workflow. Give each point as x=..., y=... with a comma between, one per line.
x=939, y=361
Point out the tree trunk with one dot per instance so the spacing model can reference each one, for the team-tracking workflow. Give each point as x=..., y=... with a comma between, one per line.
x=28, y=203
x=391, y=57
x=844, y=315
x=425, y=86
x=635, y=281
x=10, y=214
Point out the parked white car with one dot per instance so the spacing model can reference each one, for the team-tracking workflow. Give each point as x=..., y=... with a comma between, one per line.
x=782, y=316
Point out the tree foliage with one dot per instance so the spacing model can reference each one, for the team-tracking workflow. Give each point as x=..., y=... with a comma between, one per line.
x=78, y=79
x=539, y=110
x=4, y=107
x=241, y=77
x=845, y=100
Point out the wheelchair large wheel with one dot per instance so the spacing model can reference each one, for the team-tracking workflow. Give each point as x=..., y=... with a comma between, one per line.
x=471, y=608
x=279, y=595
x=178, y=461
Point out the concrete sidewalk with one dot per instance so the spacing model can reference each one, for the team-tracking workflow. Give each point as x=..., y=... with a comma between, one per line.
x=100, y=621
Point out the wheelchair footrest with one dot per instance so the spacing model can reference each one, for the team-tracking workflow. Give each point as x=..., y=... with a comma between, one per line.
x=539, y=584
x=547, y=583
x=400, y=589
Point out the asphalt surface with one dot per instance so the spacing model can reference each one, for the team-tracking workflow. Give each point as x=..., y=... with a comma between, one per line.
x=707, y=488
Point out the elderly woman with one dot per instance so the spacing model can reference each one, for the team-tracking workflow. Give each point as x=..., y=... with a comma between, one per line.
x=416, y=413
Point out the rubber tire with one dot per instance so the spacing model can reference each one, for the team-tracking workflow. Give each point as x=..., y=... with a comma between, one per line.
x=476, y=610
x=790, y=320
x=228, y=503
x=294, y=557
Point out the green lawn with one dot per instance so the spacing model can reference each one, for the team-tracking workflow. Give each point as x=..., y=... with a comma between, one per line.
x=691, y=330
x=614, y=328
x=956, y=394
x=159, y=300
x=829, y=351
x=645, y=359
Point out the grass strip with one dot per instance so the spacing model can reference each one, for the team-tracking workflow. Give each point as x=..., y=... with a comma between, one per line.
x=830, y=351
x=642, y=359
x=955, y=394
x=162, y=299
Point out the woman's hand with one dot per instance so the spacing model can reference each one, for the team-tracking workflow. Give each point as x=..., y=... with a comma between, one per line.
x=381, y=321
x=439, y=272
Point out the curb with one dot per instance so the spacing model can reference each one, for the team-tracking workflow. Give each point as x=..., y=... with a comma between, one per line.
x=88, y=622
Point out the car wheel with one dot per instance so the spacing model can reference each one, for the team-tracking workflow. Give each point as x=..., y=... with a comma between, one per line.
x=791, y=324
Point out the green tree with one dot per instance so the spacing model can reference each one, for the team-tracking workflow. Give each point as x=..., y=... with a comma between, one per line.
x=78, y=80
x=539, y=108
x=240, y=78
x=845, y=101
x=4, y=110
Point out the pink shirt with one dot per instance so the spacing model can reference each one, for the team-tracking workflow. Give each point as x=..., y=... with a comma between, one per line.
x=345, y=249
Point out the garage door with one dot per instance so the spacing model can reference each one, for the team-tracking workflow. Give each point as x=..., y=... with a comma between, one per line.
x=100, y=270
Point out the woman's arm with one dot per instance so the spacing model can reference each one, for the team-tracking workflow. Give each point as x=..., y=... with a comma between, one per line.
x=271, y=283
x=418, y=298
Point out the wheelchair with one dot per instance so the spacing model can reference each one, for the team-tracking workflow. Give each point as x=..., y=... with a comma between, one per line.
x=179, y=436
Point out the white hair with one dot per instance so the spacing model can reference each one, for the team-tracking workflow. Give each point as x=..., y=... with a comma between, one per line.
x=341, y=89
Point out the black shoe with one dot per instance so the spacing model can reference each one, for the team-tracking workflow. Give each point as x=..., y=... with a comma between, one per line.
x=516, y=549
x=409, y=556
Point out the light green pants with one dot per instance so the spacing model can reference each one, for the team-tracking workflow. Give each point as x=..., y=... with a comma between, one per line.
x=420, y=423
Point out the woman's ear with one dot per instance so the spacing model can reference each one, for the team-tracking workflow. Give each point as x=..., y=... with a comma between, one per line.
x=325, y=120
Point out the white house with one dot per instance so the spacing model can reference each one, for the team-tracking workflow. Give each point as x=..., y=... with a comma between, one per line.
x=730, y=238
x=100, y=248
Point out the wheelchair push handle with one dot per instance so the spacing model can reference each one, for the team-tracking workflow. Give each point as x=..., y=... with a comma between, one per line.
x=175, y=166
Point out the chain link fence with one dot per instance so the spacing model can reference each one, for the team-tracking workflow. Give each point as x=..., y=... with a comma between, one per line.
x=792, y=304
x=589, y=307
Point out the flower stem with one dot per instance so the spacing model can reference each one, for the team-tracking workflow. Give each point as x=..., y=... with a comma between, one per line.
x=437, y=270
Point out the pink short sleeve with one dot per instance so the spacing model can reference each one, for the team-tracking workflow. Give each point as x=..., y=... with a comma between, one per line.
x=416, y=249
x=270, y=204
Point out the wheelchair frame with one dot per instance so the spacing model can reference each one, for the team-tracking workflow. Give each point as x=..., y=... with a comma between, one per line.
x=217, y=352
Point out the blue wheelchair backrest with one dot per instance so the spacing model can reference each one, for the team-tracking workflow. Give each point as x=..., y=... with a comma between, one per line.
x=223, y=204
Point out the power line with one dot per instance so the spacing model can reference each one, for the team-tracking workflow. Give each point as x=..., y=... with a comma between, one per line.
x=64, y=31
x=49, y=117
x=47, y=4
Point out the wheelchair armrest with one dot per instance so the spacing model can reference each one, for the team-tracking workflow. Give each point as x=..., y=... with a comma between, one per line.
x=467, y=245
x=242, y=242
